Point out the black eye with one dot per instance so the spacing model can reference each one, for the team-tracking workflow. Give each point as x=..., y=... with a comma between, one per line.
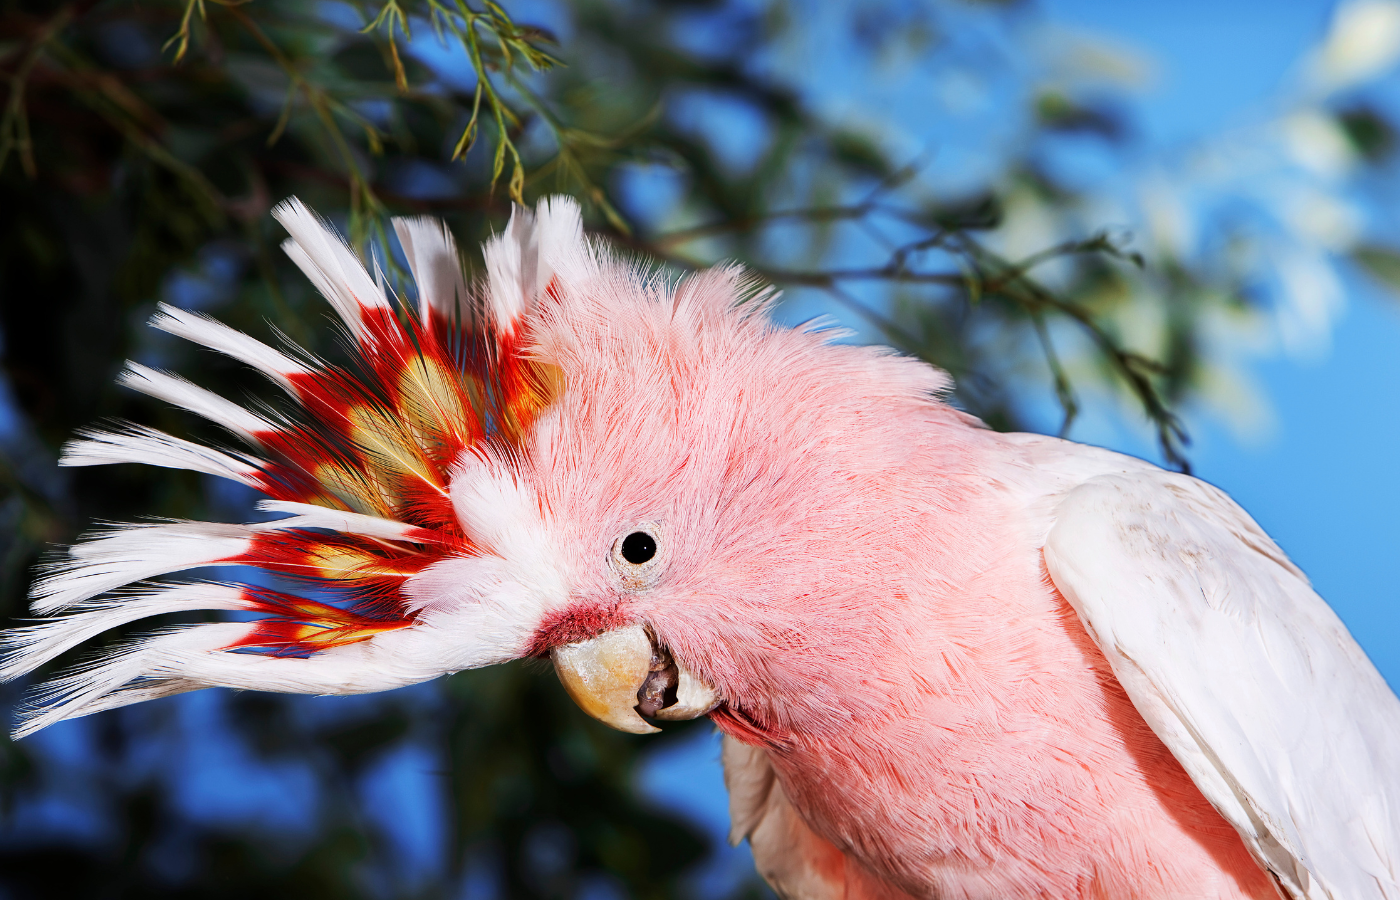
x=638, y=547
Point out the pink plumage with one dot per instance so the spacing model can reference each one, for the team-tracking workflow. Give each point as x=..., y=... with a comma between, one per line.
x=855, y=569
x=948, y=663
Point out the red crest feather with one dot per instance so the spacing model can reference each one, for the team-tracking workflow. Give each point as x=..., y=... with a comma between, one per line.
x=363, y=460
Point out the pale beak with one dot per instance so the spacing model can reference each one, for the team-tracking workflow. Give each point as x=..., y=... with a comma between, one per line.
x=619, y=675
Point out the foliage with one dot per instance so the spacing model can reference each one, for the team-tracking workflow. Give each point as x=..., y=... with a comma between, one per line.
x=142, y=145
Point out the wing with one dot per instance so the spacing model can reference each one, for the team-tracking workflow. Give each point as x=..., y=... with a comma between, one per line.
x=1245, y=674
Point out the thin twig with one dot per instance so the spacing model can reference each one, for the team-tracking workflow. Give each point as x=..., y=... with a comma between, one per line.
x=14, y=126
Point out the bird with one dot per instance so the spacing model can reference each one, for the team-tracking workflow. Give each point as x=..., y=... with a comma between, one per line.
x=946, y=662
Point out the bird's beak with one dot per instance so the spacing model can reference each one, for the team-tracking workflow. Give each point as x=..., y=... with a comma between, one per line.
x=619, y=676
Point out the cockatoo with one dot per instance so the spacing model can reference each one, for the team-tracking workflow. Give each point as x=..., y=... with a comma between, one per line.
x=947, y=663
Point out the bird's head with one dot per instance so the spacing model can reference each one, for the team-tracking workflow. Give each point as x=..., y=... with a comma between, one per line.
x=686, y=507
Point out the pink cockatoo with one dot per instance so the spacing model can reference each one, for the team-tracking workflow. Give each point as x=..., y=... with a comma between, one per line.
x=947, y=663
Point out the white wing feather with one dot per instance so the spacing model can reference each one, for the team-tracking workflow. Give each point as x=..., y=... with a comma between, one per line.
x=1245, y=674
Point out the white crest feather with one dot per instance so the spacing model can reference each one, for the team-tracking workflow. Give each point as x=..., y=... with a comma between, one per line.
x=139, y=444
x=331, y=265
x=99, y=686
x=521, y=262
x=215, y=335
x=178, y=392
x=131, y=553
x=307, y=515
x=29, y=648
x=437, y=269
x=196, y=657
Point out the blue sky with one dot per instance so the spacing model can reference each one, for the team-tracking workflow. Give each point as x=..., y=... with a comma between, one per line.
x=1216, y=62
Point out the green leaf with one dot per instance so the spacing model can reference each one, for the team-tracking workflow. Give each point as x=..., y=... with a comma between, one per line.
x=1382, y=262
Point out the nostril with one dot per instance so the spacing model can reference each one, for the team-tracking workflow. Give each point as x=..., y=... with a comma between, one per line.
x=658, y=691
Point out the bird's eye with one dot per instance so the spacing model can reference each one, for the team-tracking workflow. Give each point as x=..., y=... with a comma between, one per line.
x=638, y=556
x=638, y=547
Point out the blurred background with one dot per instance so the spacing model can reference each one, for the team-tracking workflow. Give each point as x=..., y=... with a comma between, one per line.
x=1170, y=229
